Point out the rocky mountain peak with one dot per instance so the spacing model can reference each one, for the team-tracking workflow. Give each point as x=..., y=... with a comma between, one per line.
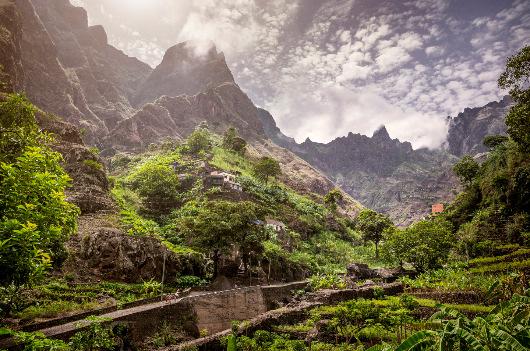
x=381, y=134
x=187, y=68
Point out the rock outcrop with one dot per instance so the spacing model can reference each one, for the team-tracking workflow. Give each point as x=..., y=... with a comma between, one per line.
x=468, y=130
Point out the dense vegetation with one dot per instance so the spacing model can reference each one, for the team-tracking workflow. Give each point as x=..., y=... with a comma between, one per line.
x=35, y=219
x=165, y=193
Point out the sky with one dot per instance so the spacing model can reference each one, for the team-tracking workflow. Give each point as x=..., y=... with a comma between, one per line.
x=324, y=68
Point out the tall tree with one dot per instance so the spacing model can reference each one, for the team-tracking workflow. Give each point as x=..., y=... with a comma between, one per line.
x=373, y=225
x=267, y=167
x=466, y=169
x=233, y=142
x=218, y=226
x=333, y=198
x=516, y=78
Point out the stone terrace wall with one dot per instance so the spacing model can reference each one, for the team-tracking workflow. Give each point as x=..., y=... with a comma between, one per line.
x=211, y=311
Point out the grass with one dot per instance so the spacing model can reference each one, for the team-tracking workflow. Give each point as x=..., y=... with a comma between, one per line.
x=231, y=161
x=502, y=267
x=459, y=307
x=452, y=279
x=59, y=308
x=482, y=261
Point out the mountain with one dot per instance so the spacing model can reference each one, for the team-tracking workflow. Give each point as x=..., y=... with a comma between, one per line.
x=67, y=68
x=185, y=69
x=382, y=173
x=469, y=128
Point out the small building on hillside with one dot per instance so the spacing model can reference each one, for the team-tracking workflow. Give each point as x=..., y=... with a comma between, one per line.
x=223, y=179
x=275, y=225
x=437, y=209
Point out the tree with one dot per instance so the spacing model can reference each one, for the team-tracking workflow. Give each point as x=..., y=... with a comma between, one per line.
x=372, y=225
x=467, y=170
x=515, y=78
x=218, y=226
x=158, y=185
x=233, y=142
x=35, y=218
x=199, y=141
x=492, y=141
x=425, y=245
x=333, y=198
x=267, y=167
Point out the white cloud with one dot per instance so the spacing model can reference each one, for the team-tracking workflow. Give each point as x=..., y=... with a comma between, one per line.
x=392, y=57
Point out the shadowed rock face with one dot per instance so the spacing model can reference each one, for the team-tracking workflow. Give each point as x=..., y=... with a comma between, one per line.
x=469, y=128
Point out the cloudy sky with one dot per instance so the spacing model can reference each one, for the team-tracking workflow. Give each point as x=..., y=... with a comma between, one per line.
x=324, y=68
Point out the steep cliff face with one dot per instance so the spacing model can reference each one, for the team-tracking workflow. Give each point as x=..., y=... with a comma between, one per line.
x=469, y=128
x=108, y=78
x=11, y=71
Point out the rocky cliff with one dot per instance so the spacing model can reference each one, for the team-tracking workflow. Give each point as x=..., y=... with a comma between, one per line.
x=469, y=128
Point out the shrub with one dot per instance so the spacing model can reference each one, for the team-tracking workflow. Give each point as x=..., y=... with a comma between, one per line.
x=93, y=164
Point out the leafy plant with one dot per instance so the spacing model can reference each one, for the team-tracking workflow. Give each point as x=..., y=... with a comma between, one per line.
x=93, y=336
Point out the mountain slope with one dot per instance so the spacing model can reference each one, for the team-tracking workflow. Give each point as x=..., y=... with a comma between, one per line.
x=382, y=173
x=468, y=129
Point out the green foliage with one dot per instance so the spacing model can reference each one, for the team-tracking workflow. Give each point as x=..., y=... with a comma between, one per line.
x=425, y=245
x=452, y=279
x=515, y=78
x=507, y=327
x=267, y=167
x=132, y=222
x=495, y=206
x=217, y=226
x=151, y=288
x=190, y=281
x=199, y=142
x=466, y=169
x=372, y=225
x=35, y=219
x=233, y=142
x=95, y=165
x=18, y=129
x=35, y=341
x=333, y=198
x=157, y=184
x=492, y=141
x=328, y=281
x=94, y=335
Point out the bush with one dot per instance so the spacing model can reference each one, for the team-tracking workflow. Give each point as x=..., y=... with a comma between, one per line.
x=95, y=165
x=425, y=245
x=35, y=218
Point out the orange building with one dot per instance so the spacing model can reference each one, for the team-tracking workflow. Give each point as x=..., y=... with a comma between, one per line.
x=437, y=209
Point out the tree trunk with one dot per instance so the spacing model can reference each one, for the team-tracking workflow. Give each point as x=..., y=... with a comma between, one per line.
x=215, y=263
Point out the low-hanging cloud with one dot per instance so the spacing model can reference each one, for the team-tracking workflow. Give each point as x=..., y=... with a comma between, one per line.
x=330, y=112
